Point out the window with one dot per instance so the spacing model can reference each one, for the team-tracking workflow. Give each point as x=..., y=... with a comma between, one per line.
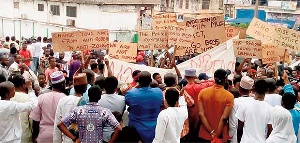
x=205, y=4
x=55, y=9
x=187, y=2
x=181, y=4
x=16, y=5
x=40, y=7
x=71, y=11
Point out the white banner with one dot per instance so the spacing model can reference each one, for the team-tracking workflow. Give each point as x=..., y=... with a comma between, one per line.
x=221, y=56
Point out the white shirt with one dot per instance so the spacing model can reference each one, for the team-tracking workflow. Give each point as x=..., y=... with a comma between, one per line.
x=10, y=129
x=64, y=107
x=233, y=121
x=24, y=117
x=273, y=99
x=113, y=102
x=13, y=67
x=30, y=76
x=256, y=115
x=283, y=131
x=170, y=123
x=37, y=49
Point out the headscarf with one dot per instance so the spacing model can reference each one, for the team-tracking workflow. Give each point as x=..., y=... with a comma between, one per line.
x=282, y=124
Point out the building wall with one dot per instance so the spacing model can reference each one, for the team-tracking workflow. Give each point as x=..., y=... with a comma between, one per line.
x=121, y=20
x=194, y=6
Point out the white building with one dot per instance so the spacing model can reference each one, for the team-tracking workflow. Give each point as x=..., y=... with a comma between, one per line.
x=191, y=6
x=42, y=17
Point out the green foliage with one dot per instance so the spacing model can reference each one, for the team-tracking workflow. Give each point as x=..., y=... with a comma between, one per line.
x=240, y=25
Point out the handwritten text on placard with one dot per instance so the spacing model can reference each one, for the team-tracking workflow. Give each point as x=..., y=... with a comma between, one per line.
x=287, y=38
x=208, y=33
x=261, y=31
x=80, y=40
x=247, y=48
x=152, y=39
x=123, y=51
x=161, y=21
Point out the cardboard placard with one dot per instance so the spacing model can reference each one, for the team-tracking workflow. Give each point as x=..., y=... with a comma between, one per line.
x=271, y=53
x=178, y=34
x=161, y=21
x=232, y=31
x=123, y=51
x=80, y=40
x=152, y=39
x=287, y=38
x=208, y=33
x=247, y=48
x=183, y=42
x=261, y=31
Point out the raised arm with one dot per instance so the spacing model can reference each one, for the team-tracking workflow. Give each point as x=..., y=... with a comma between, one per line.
x=109, y=71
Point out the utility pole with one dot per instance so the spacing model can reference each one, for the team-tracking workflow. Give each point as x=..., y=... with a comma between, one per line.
x=256, y=9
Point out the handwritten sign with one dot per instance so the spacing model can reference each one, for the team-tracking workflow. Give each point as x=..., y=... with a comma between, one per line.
x=178, y=34
x=123, y=51
x=287, y=38
x=152, y=39
x=161, y=21
x=232, y=31
x=80, y=40
x=208, y=33
x=208, y=62
x=247, y=48
x=261, y=31
x=271, y=53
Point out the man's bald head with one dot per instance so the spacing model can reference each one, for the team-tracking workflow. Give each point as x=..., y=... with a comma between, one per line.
x=5, y=90
x=170, y=79
x=144, y=79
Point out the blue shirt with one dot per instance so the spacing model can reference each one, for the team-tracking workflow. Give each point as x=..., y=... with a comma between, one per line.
x=85, y=98
x=145, y=104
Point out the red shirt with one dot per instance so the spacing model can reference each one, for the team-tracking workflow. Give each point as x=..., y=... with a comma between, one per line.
x=25, y=54
x=193, y=90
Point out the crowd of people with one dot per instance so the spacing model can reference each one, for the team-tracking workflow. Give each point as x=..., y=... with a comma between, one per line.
x=66, y=97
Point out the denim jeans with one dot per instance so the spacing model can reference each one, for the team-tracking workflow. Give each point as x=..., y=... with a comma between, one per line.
x=35, y=65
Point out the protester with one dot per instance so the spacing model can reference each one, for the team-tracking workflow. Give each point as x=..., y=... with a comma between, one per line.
x=288, y=102
x=90, y=119
x=170, y=81
x=22, y=96
x=51, y=69
x=4, y=66
x=281, y=121
x=111, y=101
x=144, y=103
x=193, y=89
x=68, y=103
x=25, y=54
x=271, y=97
x=90, y=80
x=11, y=127
x=15, y=66
x=254, y=116
x=215, y=105
x=44, y=115
x=245, y=87
x=170, y=121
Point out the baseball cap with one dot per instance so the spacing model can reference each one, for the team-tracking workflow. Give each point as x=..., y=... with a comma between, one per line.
x=220, y=74
x=203, y=76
